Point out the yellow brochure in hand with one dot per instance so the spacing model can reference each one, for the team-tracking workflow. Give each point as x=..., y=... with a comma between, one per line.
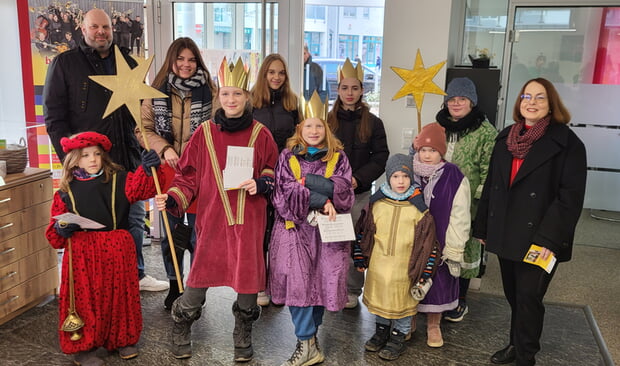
x=534, y=256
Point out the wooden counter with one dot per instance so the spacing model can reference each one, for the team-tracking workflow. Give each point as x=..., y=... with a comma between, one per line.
x=28, y=264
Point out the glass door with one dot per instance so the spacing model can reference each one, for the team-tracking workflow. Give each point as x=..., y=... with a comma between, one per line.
x=578, y=49
x=336, y=30
x=230, y=30
x=233, y=28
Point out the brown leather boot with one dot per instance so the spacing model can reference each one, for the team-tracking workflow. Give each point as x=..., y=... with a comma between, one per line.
x=433, y=331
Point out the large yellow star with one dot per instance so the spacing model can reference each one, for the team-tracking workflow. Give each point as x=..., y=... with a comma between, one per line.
x=418, y=81
x=127, y=86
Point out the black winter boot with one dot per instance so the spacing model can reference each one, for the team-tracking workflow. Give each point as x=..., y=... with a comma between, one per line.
x=379, y=339
x=173, y=294
x=182, y=331
x=394, y=347
x=242, y=334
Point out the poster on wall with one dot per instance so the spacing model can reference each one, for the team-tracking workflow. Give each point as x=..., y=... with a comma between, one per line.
x=48, y=28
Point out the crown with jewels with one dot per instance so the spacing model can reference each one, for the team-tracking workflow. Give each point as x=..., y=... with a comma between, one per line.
x=315, y=107
x=236, y=75
x=348, y=71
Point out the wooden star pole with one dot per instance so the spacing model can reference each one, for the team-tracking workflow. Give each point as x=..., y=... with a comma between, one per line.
x=128, y=88
x=417, y=82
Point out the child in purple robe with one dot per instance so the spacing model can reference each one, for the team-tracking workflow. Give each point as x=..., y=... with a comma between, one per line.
x=446, y=193
x=312, y=177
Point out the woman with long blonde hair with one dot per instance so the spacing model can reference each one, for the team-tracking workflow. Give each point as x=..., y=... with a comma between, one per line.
x=274, y=105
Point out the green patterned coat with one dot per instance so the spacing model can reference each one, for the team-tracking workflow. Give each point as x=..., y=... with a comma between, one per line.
x=472, y=153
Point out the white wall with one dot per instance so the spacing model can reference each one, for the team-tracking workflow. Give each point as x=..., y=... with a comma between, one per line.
x=409, y=26
x=12, y=117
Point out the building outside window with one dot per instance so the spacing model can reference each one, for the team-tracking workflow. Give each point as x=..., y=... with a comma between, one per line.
x=313, y=40
x=349, y=11
x=371, y=48
x=335, y=32
x=348, y=46
x=315, y=12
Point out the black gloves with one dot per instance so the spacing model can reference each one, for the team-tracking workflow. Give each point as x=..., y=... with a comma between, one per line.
x=66, y=230
x=182, y=235
x=317, y=200
x=150, y=159
x=170, y=202
x=264, y=185
x=320, y=184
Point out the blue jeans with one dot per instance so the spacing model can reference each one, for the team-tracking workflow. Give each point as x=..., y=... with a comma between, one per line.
x=136, y=229
x=173, y=221
x=307, y=320
x=402, y=324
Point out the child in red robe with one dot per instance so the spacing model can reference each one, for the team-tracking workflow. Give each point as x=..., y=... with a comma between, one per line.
x=104, y=277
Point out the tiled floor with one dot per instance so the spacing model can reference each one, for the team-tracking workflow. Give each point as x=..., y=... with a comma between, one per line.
x=568, y=338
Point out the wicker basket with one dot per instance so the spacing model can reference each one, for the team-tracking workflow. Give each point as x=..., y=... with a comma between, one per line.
x=16, y=157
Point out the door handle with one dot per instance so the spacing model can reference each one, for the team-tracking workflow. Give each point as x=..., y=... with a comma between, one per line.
x=9, y=275
x=7, y=251
x=6, y=226
x=13, y=298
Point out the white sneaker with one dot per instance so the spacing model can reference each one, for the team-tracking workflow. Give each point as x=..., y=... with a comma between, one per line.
x=263, y=299
x=351, y=301
x=148, y=283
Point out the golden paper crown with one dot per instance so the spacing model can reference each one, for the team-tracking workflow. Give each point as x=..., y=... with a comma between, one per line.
x=315, y=107
x=229, y=75
x=348, y=71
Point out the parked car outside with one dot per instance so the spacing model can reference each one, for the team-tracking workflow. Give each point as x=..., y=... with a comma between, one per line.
x=330, y=73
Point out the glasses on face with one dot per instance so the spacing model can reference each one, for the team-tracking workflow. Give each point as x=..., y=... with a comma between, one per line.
x=536, y=99
x=457, y=100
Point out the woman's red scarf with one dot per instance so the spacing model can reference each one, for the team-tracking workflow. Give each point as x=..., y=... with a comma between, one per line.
x=519, y=144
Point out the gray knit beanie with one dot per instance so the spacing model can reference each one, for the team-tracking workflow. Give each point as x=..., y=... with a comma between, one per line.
x=461, y=87
x=399, y=163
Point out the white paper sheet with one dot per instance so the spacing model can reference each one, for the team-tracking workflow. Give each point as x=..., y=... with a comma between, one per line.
x=334, y=231
x=239, y=166
x=84, y=222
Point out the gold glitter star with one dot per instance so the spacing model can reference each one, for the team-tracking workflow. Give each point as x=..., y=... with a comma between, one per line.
x=418, y=81
x=127, y=86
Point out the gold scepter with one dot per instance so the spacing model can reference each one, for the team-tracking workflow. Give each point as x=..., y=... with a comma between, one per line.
x=72, y=322
x=128, y=88
x=173, y=252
